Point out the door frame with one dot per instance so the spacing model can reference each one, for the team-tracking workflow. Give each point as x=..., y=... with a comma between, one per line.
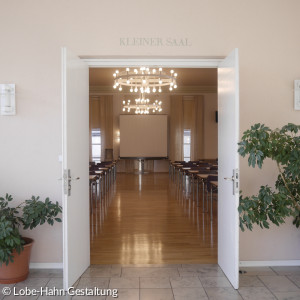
x=162, y=62
x=210, y=62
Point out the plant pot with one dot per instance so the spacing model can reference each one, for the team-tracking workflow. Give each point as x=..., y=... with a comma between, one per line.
x=19, y=269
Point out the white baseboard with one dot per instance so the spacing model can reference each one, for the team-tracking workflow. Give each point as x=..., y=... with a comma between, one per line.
x=46, y=266
x=269, y=263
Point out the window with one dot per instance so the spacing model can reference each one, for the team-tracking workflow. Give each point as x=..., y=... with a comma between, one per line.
x=96, y=145
x=187, y=144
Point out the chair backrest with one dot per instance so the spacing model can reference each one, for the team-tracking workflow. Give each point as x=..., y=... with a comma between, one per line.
x=214, y=167
x=209, y=160
x=204, y=164
x=209, y=179
x=204, y=171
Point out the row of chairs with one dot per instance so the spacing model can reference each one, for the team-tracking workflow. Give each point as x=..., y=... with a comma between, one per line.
x=102, y=176
x=198, y=179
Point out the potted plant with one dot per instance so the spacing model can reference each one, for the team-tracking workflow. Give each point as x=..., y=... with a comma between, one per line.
x=15, y=249
x=272, y=204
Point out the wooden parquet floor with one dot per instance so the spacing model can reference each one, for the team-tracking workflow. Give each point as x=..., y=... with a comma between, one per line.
x=145, y=219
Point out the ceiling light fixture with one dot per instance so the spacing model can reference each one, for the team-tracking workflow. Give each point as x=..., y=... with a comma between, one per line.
x=142, y=106
x=144, y=80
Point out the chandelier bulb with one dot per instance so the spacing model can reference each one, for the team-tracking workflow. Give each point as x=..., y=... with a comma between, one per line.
x=144, y=80
x=123, y=108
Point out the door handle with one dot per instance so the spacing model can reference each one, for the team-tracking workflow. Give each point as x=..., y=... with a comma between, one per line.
x=235, y=181
x=77, y=178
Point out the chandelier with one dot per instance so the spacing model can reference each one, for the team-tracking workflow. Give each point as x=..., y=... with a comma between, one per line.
x=145, y=80
x=142, y=105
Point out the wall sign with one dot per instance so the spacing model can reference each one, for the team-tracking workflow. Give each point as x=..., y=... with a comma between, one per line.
x=154, y=42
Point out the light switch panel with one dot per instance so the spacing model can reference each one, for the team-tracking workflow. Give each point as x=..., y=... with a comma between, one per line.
x=297, y=94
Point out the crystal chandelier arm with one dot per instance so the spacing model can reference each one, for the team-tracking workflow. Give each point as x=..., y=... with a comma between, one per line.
x=145, y=78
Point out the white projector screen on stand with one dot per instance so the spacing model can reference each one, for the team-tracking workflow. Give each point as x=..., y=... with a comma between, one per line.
x=143, y=136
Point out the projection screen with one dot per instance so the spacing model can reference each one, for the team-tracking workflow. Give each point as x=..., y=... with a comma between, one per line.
x=143, y=136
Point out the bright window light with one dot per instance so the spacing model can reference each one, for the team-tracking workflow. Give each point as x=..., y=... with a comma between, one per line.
x=96, y=145
x=187, y=144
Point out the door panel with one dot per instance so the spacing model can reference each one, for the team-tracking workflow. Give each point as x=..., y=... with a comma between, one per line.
x=75, y=118
x=228, y=194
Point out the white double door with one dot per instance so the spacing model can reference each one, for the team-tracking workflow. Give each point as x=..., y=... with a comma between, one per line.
x=75, y=95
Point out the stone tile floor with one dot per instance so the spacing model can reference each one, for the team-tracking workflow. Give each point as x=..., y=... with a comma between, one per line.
x=174, y=282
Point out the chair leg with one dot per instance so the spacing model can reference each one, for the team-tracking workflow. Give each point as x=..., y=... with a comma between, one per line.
x=211, y=205
x=197, y=195
x=203, y=200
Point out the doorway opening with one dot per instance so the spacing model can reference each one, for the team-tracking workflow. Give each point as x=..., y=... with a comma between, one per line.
x=148, y=215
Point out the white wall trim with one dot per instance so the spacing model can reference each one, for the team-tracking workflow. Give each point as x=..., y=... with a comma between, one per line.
x=269, y=263
x=162, y=62
x=46, y=266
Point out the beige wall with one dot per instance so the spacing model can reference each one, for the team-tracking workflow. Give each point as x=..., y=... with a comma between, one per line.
x=32, y=33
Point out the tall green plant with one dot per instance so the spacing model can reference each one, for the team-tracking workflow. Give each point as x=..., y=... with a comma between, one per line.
x=272, y=204
x=27, y=215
